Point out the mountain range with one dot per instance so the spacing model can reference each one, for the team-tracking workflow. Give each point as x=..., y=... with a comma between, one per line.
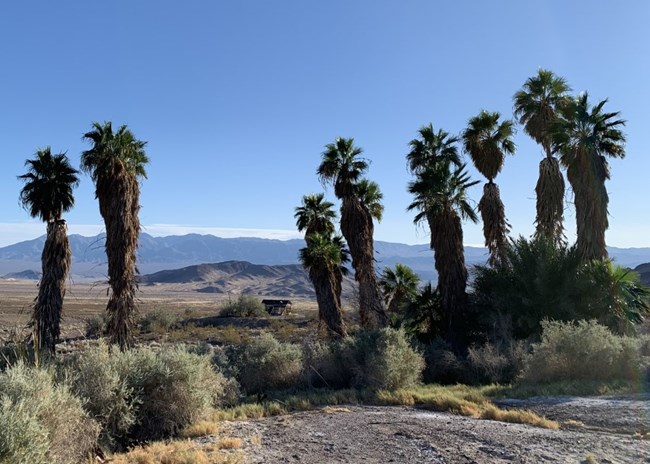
x=178, y=251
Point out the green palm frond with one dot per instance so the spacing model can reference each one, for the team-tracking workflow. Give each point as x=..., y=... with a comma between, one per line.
x=536, y=105
x=432, y=147
x=342, y=166
x=487, y=142
x=315, y=215
x=370, y=196
x=49, y=183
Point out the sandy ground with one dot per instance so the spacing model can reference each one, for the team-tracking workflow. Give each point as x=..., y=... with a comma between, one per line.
x=368, y=434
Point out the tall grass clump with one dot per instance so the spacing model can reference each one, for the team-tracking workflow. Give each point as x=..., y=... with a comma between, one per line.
x=159, y=320
x=41, y=421
x=582, y=351
x=143, y=394
x=263, y=364
x=243, y=306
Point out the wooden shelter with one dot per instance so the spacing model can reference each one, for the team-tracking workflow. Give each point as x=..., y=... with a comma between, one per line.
x=277, y=307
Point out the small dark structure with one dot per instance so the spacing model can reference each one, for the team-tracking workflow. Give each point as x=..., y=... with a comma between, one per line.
x=277, y=307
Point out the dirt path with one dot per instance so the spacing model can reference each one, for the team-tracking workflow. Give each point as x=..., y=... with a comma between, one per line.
x=369, y=434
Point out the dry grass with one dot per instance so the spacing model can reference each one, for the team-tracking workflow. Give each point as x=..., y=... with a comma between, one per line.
x=256, y=440
x=517, y=416
x=229, y=443
x=201, y=429
x=177, y=452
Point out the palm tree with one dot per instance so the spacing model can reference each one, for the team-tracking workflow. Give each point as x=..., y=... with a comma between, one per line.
x=536, y=106
x=399, y=285
x=115, y=162
x=316, y=217
x=487, y=141
x=440, y=198
x=47, y=194
x=342, y=166
x=584, y=136
x=322, y=258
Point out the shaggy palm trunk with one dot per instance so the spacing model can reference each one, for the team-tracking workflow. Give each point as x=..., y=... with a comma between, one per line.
x=449, y=256
x=587, y=176
x=357, y=228
x=495, y=225
x=329, y=306
x=550, y=201
x=46, y=319
x=119, y=204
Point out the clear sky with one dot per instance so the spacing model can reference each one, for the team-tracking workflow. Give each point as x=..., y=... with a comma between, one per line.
x=237, y=98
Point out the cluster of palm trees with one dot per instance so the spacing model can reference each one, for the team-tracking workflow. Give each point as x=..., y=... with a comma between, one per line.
x=574, y=135
x=115, y=162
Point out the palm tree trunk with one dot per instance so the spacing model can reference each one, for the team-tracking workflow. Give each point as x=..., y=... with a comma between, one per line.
x=550, y=200
x=329, y=308
x=119, y=203
x=495, y=225
x=449, y=256
x=587, y=177
x=55, y=259
x=357, y=228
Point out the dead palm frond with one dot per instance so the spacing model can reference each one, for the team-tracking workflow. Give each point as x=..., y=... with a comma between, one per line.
x=495, y=225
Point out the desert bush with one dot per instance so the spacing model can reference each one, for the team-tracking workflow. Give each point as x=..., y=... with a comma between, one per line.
x=41, y=421
x=159, y=320
x=496, y=363
x=243, y=306
x=144, y=394
x=15, y=352
x=263, y=364
x=442, y=365
x=96, y=325
x=582, y=351
x=326, y=364
x=383, y=359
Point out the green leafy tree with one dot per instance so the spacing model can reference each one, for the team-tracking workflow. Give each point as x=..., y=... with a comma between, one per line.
x=116, y=161
x=343, y=167
x=488, y=141
x=536, y=106
x=584, y=136
x=440, y=199
x=47, y=194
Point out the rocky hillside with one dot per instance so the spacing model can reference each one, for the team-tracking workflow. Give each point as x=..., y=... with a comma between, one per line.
x=289, y=280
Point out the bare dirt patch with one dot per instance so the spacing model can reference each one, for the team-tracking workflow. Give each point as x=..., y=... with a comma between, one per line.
x=371, y=434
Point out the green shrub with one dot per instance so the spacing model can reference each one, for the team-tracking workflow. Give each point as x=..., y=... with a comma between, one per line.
x=264, y=364
x=144, y=394
x=41, y=421
x=442, y=365
x=96, y=325
x=244, y=306
x=159, y=320
x=582, y=351
x=327, y=364
x=490, y=363
x=383, y=360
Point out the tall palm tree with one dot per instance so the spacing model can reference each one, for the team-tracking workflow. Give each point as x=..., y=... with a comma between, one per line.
x=584, y=137
x=115, y=162
x=47, y=194
x=399, y=286
x=343, y=167
x=440, y=198
x=322, y=258
x=536, y=106
x=316, y=217
x=487, y=141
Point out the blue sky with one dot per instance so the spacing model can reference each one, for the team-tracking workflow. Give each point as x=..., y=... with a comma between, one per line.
x=237, y=99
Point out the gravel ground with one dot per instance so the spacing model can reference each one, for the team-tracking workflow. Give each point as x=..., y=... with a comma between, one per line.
x=612, y=431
